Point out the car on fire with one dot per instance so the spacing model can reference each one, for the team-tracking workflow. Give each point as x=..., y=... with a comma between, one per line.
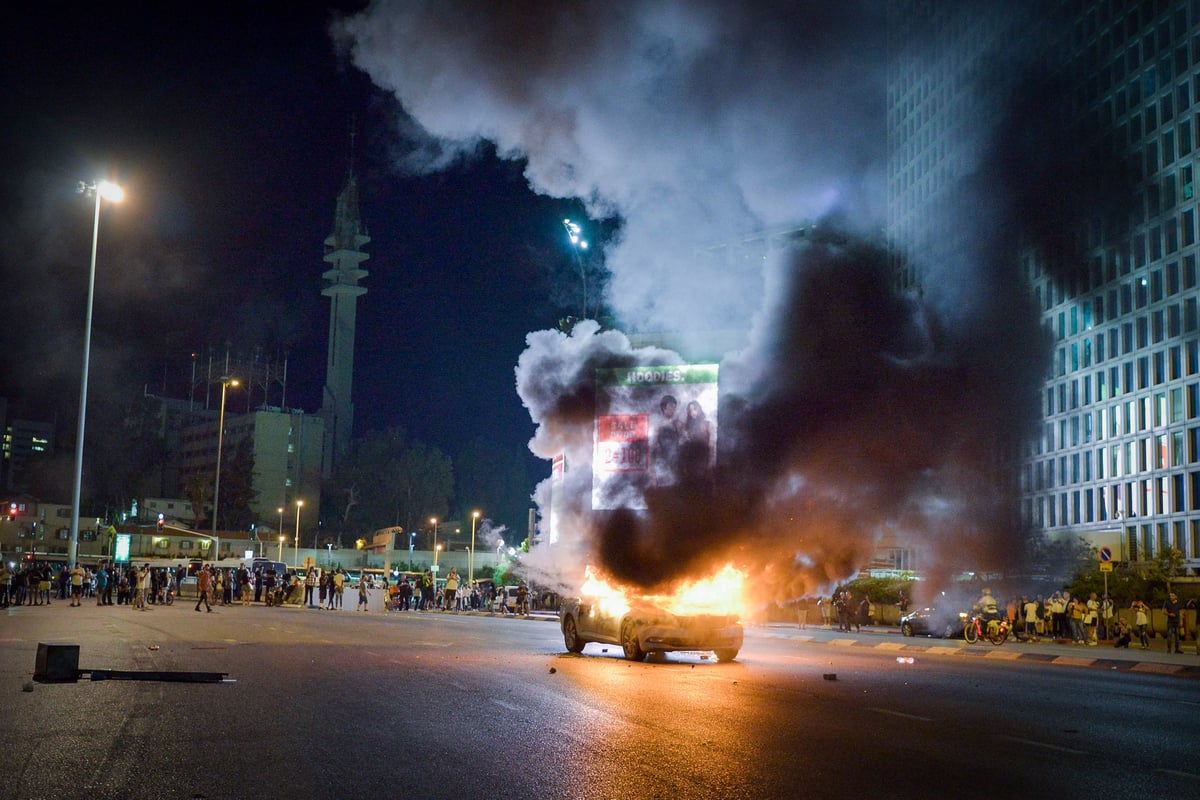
x=644, y=628
x=945, y=623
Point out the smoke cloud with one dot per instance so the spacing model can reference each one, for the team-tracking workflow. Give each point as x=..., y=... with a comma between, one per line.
x=849, y=410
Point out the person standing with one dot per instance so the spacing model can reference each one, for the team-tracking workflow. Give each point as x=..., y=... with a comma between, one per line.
x=362, y=595
x=1173, y=609
x=451, y=590
x=1029, y=609
x=1091, y=618
x=143, y=587
x=203, y=587
x=77, y=573
x=310, y=583
x=1141, y=622
x=339, y=585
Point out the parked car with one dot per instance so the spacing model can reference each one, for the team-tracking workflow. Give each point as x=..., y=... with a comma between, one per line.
x=645, y=629
x=945, y=623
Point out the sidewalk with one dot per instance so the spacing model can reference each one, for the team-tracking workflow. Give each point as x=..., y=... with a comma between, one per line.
x=1156, y=660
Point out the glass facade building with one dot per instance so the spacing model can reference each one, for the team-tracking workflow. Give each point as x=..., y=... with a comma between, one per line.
x=1119, y=442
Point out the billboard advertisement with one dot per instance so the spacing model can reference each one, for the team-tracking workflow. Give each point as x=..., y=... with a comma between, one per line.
x=652, y=424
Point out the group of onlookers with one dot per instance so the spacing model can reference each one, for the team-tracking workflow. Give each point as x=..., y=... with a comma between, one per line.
x=40, y=583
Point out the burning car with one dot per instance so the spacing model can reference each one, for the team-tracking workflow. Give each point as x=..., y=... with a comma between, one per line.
x=644, y=628
x=651, y=624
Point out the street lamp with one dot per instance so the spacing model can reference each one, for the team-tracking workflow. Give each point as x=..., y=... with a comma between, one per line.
x=437, y=548
x=434, y=523
x=282, y=539
x=471, y=555
x=296, y=547
x=578, y=243
x=226, y=382
x=101, y=190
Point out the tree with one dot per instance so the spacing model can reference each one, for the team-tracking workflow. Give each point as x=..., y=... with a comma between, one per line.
x=385, y=480
x=198, y=492
x=1168, y=566
x=237, y=488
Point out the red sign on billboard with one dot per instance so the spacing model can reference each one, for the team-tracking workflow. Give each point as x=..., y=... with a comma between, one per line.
x=622, y=442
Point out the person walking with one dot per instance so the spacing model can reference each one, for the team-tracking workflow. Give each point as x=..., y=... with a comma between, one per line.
x=203, y=586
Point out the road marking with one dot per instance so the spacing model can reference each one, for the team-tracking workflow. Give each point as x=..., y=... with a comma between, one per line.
x=1178, y=773
x=1004, y=655
x=898, y=714
x=509, y=706
x=1044, y=745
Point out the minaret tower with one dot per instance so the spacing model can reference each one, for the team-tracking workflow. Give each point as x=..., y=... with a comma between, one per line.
x=344, y=255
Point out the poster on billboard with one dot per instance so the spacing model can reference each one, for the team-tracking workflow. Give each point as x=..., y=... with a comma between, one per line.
x=646, y=419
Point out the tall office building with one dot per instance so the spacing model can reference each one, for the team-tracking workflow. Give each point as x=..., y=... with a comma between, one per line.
x=1119, y=443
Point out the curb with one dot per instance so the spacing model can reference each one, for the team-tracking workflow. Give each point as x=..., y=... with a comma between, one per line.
x=997, y=654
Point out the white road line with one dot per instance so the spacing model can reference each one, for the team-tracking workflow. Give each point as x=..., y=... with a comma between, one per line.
x=509, y=706
x=1178, y=773
x=1044, y=745
x=898, y=714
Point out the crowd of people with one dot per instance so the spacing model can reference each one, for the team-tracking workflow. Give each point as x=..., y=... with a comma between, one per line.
x=1062, y=617
x=144, y=586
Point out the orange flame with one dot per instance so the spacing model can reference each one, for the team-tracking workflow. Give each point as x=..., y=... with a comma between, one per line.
x=722, y=593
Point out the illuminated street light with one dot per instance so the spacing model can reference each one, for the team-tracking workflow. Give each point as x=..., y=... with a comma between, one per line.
x=226, y=382
x=437, y=548
x=471, y=555
x=433, y=521
x=296, y=547
x=574, y=235
x=282, y=539
x=102, y=190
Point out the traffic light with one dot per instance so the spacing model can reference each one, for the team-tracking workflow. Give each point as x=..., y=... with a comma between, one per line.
x=12, y=511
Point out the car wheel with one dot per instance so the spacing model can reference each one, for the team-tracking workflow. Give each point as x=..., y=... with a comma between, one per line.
x=629, y=642
x=906, y=629
x=571, y=636
x=727, y=654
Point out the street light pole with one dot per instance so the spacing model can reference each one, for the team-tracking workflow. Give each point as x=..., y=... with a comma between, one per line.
x=433, y=521
x=226, y=382
x=578, y=243
x=296, y=546
x=471, y=555
x=102, y=190
x=281, y=538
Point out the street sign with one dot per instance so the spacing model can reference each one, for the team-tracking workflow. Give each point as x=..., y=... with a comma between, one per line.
x=1106, y=566
x=1105, y=555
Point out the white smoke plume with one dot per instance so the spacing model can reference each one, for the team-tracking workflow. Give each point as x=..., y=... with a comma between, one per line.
x=695, y=122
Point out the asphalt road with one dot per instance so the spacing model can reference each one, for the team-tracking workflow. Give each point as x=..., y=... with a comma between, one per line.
x=326, y=704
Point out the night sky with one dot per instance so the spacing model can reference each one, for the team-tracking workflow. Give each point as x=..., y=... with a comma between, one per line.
x=229, y=127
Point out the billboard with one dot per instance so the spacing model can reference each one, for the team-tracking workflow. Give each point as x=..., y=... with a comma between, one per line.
x=653, y=426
